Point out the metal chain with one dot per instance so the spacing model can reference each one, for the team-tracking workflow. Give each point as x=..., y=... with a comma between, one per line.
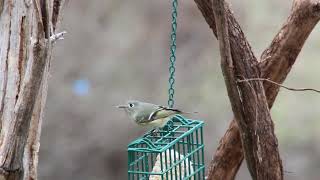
x=172, y=58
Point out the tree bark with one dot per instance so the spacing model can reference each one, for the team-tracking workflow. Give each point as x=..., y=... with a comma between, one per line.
x=26, y=30
x=249, y=105
x=276, y=62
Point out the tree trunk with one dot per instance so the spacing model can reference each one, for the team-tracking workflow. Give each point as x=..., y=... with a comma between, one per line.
x=27, y=33
x=249, y=103
x=275, y=64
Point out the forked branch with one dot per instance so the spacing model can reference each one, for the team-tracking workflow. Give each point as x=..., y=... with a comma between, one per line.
x=275, y=65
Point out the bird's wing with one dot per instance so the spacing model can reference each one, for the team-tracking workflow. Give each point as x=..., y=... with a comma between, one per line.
x=153, y=114
x=163, y=112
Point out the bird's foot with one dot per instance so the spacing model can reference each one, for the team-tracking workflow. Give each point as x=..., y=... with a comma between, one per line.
x=154, y=132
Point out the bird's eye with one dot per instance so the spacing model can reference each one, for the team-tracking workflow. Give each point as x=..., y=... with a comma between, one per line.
x=131, y=105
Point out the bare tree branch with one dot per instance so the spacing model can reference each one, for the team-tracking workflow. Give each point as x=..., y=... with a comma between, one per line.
x=279, y=57
x=229, y=155
x=249, y=106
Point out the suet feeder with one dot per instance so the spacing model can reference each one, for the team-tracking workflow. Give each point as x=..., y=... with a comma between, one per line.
x=176, y=151
x=173, y=153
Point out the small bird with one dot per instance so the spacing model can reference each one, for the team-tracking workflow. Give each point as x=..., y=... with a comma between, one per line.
x=150, y=115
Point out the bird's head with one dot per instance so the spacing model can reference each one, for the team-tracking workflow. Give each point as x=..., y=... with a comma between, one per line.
x=131, y=107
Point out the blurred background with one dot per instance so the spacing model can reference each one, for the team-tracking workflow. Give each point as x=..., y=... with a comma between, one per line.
x=117, y=50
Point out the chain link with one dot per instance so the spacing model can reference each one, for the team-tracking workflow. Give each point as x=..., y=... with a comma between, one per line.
x=173, y=47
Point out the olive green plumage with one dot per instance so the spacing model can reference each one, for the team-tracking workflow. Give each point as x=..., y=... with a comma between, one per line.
x=147, y=114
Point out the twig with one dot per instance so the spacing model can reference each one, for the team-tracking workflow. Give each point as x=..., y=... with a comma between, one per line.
x=270, y=81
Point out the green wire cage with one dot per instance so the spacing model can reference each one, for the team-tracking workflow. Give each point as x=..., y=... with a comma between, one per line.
x=176, y=151
x=175, y=154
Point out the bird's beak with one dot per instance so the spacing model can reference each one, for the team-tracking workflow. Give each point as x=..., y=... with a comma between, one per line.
x=122, y=106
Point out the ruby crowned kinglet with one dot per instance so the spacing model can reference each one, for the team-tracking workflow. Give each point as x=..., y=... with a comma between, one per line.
x=150, y=115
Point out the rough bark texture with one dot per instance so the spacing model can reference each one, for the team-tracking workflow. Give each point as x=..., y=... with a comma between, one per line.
x=25, y=53
x=248, y=103
x=276, y=62
x=278, y=59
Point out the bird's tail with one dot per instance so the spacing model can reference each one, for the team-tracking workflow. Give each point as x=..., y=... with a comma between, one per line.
x=195, y=112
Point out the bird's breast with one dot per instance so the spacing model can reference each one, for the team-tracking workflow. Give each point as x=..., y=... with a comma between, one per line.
x=157, y=123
